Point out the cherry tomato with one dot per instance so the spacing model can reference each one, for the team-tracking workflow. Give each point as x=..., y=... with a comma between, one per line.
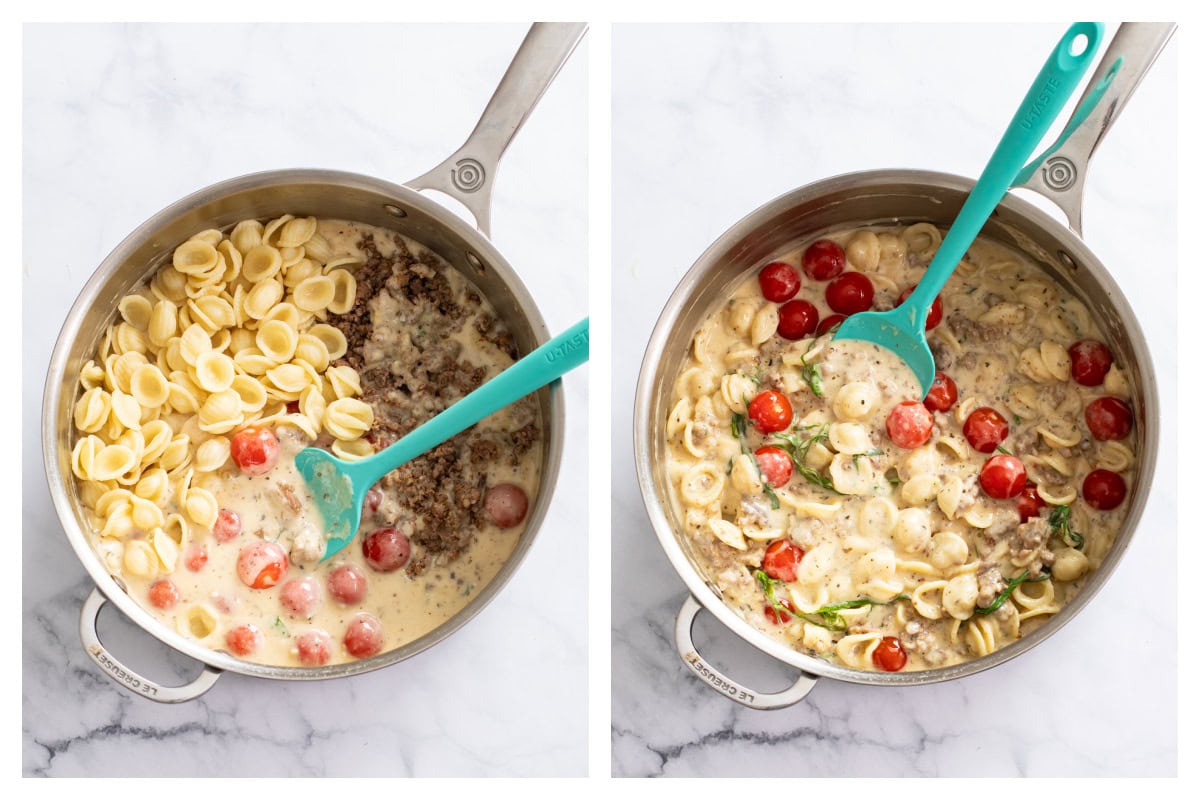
x=943, y=394
x=985, y=429
x=782, y=558
x=227, y=526
x=348, y=584
x=770, y=411
x=1103, y=490
x=254, y=449
x=386, y=549
x=797, y=319
x=1108, y=418
x=506, y=504
x=364, y=636
x=163, y=594
x=300, y=597
x=850, y=293
x=244, y=639
x=372, y=500
x=1029, y=502
x=313, y=648
x=775, y=615
x=890, y=655
x=829, y=323
x=1090, y=361
x=775, y=464
x=935, y=310
x=909, y=424
x=779, y=281
x=823, y=259
x=1002, y=477
x=195, y=557
x=261, y=564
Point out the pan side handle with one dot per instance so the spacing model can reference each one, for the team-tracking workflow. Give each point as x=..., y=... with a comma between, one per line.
x=1059, y=173
x=123, y=675
x=722, y=683
x=468, y=174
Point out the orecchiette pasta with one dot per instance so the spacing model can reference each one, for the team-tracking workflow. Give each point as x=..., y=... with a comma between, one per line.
x=910, y=544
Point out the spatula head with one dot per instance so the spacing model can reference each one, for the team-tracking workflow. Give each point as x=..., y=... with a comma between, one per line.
x=894, y=330
x=337, y=496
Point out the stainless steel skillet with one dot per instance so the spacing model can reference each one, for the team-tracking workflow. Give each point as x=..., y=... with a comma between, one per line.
x=900, y=197
x=468, y=176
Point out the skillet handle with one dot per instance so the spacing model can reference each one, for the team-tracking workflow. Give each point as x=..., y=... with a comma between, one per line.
x=722, y=683
x=469, y=173
x=126, y=677
x=1058, y=174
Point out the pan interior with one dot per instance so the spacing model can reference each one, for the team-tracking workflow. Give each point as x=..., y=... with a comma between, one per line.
x=878, y=198
x=263, y=196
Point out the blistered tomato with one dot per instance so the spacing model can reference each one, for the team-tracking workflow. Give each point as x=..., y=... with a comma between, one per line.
x=943, y=394
x=506, y=504
x=985, y=429
x=260, y=564
x=1002, y=476
x=909, y=424
x=797, y=319
x=850, y=293
x=890, y=655
x=823, y=259
x=781, y=560
x=386, y=549
x=1108, y=418
x=1103, y=489
x=254, y=449
x=779, y=281
x=1090, y=361
x=364, y=636
x=775, y=464
x=770, y=411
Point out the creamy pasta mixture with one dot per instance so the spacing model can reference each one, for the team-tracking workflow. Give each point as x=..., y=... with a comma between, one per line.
x=250, y=345
x=840, y=512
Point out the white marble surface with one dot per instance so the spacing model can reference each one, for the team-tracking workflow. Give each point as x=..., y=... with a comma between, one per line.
x=709, y=122
x=121, y=120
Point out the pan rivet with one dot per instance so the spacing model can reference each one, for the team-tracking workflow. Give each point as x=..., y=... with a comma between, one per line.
x=1066, y=259
x=474, y=261
x=395, y=211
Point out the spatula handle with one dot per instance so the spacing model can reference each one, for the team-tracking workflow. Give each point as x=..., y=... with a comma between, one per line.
x=547, y=363
x=1047, y=96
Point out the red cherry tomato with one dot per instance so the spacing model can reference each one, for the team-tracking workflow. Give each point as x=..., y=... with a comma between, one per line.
x=386, y=549
x=985, y=429
x=254, y=449
x=890, y=655
x=300, y=597
x=909, y=424
x=770, y=411
x=261, y=564
x=779, y=281
x=348, y=584
x=797, y=319
x=782, y=558
x=1029, y=502
x=244, y=639
x=829, y=323
x=506, y=504
x=943, y=394
x=1090, y=361
x=1002, y=477
x=935, y=310
x=196, y=557
x=163, y=594
x=823, y=259
x=313, y=648
x=227, y=526
x=775, y=464
x=1109, y=418
x=850, y=293
x=775, y=615
x=364, y=636
x=372, y=500
x=1103, y=490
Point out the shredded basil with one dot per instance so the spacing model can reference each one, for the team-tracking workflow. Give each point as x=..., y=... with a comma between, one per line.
x=869, y=454
x=279, y=626
x=738, y=425
x=1000, y=449
x=830, y=619
x=1012, y=585
x=768, y=585
x=1060, y=522
x=798, y=448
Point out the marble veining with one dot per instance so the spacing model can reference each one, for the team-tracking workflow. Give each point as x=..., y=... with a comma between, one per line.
x=121, y=120
x=712, y=121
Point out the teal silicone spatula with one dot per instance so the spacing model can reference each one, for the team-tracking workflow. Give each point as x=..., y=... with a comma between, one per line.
x=902, y=330
x=339, y=487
